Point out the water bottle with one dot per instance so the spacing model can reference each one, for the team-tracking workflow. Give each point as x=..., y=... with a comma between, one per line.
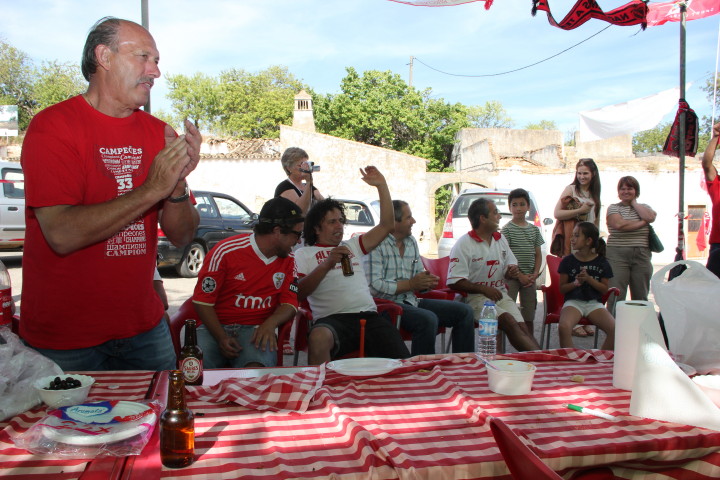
x=487, y=330
x=6, y=300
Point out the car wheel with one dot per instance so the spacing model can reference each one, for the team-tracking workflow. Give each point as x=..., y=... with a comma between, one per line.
x=192, y=261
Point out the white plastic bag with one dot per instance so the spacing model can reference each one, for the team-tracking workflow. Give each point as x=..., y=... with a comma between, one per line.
x=20, y=366
x=690, y=306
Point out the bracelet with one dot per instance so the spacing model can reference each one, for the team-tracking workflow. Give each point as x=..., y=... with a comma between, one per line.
x=182, y=197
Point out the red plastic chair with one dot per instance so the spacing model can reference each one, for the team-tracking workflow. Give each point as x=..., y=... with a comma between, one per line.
x=439, y=268
x=553, y=301
x=304, y=319
x=187, y=311
x=524, y=464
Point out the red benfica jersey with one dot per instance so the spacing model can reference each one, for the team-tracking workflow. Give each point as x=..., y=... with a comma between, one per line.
x=243, y=285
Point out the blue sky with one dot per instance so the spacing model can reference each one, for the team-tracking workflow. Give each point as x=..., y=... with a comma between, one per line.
x=317, y=39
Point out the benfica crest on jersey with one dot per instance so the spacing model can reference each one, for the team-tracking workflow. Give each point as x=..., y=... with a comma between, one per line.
x=278, y=279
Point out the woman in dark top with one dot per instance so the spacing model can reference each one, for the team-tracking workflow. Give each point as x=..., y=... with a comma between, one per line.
x=299, y=185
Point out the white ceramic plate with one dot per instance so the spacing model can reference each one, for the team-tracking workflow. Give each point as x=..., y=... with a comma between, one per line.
x=689, y=370
x=364, y=367
x=98, y=434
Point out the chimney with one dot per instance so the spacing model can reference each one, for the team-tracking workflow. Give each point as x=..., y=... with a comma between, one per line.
x=303, y=118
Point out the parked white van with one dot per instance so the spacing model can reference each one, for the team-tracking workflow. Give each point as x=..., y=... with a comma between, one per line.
x=12, y=206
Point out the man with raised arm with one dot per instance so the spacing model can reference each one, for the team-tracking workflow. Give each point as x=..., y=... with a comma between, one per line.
x=338, y=302
x=100, y=174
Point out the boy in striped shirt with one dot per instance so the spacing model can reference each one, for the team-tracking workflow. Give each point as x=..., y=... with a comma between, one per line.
x=524, y=239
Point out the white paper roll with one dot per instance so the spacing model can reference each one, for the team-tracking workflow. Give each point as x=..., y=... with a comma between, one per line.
x=628, y=318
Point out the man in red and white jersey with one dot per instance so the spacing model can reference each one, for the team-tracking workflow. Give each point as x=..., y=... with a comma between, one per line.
x=479, y=263
x=246, y=290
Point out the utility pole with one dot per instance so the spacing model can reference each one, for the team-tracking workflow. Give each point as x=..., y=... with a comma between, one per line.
x=145, y=23
x=411, y=66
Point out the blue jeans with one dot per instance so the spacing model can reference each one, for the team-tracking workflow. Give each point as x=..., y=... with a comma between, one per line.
x=423, y=321
x=151, y=350
x=243, y=334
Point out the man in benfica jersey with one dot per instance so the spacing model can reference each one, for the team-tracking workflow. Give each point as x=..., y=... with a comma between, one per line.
x=479, y=263
x=337, y=301
x=99, y=175
x=246, y=290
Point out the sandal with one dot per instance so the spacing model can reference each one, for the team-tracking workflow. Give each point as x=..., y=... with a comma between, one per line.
x=579, y=331
x=589, y=330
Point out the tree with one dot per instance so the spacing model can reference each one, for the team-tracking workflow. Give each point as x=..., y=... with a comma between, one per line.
x=651, y=141
x=490, y=115
x=55, y=82
x=542, y=125
x=195, y=98
x=16, y=75
x=712, y=89
x=379, y=108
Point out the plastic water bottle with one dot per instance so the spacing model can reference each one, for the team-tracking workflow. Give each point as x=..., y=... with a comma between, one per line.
x=6, y=300
x=487, y=330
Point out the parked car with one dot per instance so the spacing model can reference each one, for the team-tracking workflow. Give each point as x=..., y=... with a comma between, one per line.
x=12, y=206
x=457, y=223
x=221, y=216
x=361, y=215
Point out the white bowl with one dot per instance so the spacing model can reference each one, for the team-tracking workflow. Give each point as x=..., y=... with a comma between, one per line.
x=511, y=378
x=63, y=398
x=710, y=384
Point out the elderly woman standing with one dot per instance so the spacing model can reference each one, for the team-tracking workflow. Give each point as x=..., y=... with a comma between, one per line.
x=628, y=250
x=295, y=163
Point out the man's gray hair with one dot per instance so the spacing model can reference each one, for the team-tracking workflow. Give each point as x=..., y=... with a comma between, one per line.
x=104, y=32
x=479, y=207
x=398, y=208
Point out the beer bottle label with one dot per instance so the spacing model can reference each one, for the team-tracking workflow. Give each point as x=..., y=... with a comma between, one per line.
x=191, y=368
x=6, y=308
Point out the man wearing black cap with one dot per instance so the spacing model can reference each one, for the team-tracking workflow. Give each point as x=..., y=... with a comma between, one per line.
x=246, y=290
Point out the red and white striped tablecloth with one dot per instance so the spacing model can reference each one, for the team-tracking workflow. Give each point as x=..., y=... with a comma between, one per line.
x=431, y=423
x=16, y=463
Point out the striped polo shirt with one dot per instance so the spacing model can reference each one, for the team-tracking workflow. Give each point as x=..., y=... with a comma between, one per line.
x=633, y=238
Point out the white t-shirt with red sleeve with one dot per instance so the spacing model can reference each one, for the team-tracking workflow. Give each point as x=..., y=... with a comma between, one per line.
x=480, y=262
x=336, y=293
x=244, y=285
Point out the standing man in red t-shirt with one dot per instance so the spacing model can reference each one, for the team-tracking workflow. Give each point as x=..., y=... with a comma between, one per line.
x=713, y=186
x=246, y=290
x=99, y=176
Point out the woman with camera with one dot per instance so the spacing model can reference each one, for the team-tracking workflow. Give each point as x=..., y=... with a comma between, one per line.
x=299, y=185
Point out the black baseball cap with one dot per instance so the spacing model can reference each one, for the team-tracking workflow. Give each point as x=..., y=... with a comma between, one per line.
x=281, y=211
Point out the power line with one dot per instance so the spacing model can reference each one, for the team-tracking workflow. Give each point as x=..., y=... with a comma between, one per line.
x=517, y=69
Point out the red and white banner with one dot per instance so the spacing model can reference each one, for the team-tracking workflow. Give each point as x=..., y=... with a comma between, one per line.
x=661, y=13
x=442, y=3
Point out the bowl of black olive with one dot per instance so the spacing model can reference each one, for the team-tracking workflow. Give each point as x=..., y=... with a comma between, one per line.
x=63, y=390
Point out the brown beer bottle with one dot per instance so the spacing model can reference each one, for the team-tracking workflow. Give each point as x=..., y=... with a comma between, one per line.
x=346, y=265
x=177, y=426
x=191, y=356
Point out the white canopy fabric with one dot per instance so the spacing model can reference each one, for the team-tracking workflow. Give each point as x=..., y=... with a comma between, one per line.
x=627, y=117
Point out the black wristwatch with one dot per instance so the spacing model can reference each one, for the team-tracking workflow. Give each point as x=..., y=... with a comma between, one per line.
x=182, y=197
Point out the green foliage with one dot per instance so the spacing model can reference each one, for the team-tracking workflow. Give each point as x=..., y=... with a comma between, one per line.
x=16, y=74
x=542, y=125
x=237, y=103
x=712, y=87
x=56, y=82
x=651, y=141
x=490, y=115
x=379, y=108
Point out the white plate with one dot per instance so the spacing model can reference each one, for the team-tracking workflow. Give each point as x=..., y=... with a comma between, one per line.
x=78, y=433
x=689, y=370
x=364, y=367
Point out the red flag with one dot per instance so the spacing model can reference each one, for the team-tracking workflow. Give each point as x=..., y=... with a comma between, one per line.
x=632, y=13
x=660, y=13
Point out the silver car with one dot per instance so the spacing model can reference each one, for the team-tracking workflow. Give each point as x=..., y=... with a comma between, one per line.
x=457, y=223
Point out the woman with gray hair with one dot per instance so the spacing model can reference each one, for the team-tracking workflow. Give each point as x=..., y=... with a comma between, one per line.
x=299, y=185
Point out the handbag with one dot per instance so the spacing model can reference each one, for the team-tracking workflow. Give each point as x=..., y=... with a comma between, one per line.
x=654, y=242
